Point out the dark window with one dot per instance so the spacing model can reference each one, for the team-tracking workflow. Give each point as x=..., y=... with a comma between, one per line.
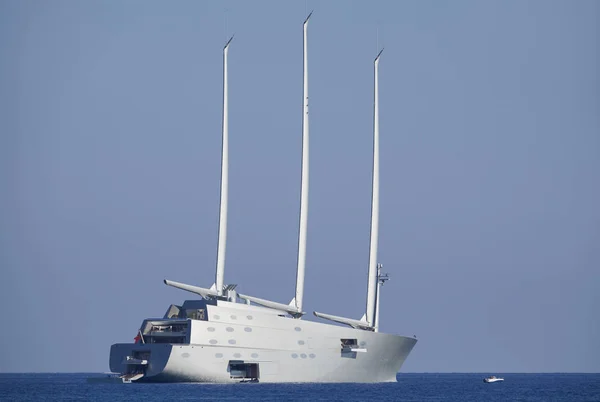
x=348, y=344
x=241, y=370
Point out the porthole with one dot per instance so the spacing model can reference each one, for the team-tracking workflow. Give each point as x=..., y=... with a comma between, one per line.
x=217, y=317
x=249, y=317
x=210, y=329
x=237, y=355
x=229, y=329
x=218, y=355
x=233, y=317
x=298, y=329
x=231, y=341
x=312, y=355
x=248, y=329
x=213, y=342
x=294, y=356
x=254, y=355
x=363, y=344
x=303, y=355
x=300, y=342
x=185, y=355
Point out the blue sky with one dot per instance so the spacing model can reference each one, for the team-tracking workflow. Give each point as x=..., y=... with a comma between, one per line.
x=110, y=158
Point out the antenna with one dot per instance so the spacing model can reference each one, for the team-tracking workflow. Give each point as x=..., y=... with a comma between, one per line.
x=381, y=280
x=372, y=276
x=225, y=22
x=304, y=186
x=222, y=242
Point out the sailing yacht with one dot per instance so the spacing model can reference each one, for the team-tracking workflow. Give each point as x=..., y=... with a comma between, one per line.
x=227, y=337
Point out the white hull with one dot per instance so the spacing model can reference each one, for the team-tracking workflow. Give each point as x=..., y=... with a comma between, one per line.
x=285, y=349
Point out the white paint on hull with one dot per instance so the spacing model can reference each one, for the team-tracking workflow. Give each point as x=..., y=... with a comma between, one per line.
x=286, y=350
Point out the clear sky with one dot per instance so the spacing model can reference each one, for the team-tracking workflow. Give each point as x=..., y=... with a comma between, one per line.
x=110, y=125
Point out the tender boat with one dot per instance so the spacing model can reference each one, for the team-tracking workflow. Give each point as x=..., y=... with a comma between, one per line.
x=493, y=379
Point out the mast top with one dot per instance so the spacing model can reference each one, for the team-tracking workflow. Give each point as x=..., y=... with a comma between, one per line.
x=307, y=18
x=228, y=42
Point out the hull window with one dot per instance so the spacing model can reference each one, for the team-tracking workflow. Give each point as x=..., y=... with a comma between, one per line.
x=240, y=370
x=348, y=344
x=349, y=348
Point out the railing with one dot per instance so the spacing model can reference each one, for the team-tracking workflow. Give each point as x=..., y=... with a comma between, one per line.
x=168, y=328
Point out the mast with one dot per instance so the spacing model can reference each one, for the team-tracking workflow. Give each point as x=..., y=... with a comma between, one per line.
x=376, y=325
x=222, y=242
x=304, y=186
x=372, y=281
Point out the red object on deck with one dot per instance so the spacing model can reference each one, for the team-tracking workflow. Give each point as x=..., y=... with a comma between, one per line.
x=137, y=338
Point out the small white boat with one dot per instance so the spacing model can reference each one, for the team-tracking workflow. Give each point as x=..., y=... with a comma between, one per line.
x=493, y=379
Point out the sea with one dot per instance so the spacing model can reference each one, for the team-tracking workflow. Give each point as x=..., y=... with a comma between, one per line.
x=410, y=387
